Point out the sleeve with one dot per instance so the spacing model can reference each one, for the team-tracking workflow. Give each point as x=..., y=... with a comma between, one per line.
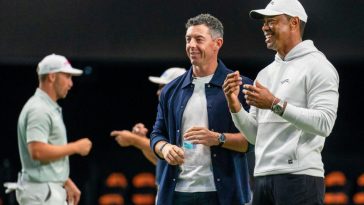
x=246, y=124
x=244, y=121
x=38, y=125
x=322, y=103
x=159, y=126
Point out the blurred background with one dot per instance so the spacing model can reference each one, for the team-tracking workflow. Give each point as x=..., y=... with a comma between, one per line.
x=120, y=43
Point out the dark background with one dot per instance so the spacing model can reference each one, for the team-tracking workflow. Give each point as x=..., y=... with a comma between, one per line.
x=120, y=43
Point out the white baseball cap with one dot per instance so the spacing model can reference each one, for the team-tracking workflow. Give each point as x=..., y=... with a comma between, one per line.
x=167, y=76
x=278, y=7
x=56, y=63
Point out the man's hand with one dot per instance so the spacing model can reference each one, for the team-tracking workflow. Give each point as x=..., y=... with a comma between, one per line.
x=73, y=193
x=83, y=146
x=173, y=154
x=127, y=138
x=231, y=88
x=137, y=138
x=258, y=96
x=140, y=129
x=124, y=137
x=201, y=135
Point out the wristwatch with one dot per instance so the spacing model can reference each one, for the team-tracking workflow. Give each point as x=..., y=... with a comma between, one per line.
x=278, y=108
x=221, y=139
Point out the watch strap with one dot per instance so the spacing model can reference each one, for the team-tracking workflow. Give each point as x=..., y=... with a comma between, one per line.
x=221, y=139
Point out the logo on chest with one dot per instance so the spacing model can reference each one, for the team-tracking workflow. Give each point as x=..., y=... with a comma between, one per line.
x=285, y=81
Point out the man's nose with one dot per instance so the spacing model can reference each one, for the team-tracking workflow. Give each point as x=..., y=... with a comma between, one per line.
x=265, y=27
x=192, y=43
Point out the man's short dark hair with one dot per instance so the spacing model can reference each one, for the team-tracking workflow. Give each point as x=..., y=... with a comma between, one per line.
x=215, y=26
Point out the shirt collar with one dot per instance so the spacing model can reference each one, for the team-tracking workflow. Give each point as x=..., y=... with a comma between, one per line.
x=44, y=96
x=217, y=79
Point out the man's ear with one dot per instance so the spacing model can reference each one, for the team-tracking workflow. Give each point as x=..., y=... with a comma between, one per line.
x=52, y=77
x=295, y=22
x=219, y=42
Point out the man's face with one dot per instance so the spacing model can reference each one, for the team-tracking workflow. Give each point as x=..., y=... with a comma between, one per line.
x=277, y=33
x=62, y=84
x=200, y=47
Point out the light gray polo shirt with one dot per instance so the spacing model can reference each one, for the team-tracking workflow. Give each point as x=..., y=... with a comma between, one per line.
x=41, y=120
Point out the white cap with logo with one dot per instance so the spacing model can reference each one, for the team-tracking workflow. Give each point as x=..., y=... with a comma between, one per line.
x=278, y=7
x=56, y=63
x=167, y=76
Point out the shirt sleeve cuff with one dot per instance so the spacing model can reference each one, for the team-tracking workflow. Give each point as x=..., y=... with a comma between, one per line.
x=239, y=117
x=290, y=113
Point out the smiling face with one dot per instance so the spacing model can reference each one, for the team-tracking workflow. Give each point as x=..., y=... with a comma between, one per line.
x=201, y=48
x=277, y=32
x=282, y=33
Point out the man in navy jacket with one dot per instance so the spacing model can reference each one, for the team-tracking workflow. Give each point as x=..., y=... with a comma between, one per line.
x=194, y=131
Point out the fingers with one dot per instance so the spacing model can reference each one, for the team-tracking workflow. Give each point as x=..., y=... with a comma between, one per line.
x=232, y=81
x=198, y=140
x=194, y=138
x=235, y=74
x=70, y=200
x=77, y=200
x=251, y=88
x=179, y=151
x=250, y=94
x=251, y=102
x=231, y=86
x=114, y=133
x=193, y=132
x=251, y=97
x=87, y=144
x=258, y=84
x=200, y=135
x=74, y=199
x=192, y=129
x=175, y=155
x=125, y=138
x=139, y=129
x=84, y=146
x=258, y=96
x=170, y=159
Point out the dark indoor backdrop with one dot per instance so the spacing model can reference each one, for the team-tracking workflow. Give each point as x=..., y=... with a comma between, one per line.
x=120, y=43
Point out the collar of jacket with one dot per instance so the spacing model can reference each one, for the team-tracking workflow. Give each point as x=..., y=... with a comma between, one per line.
x=217, y=79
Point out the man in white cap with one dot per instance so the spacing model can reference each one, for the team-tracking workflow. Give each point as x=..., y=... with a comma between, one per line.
x=293, y=109
x=42, y=139
x=138, y=136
